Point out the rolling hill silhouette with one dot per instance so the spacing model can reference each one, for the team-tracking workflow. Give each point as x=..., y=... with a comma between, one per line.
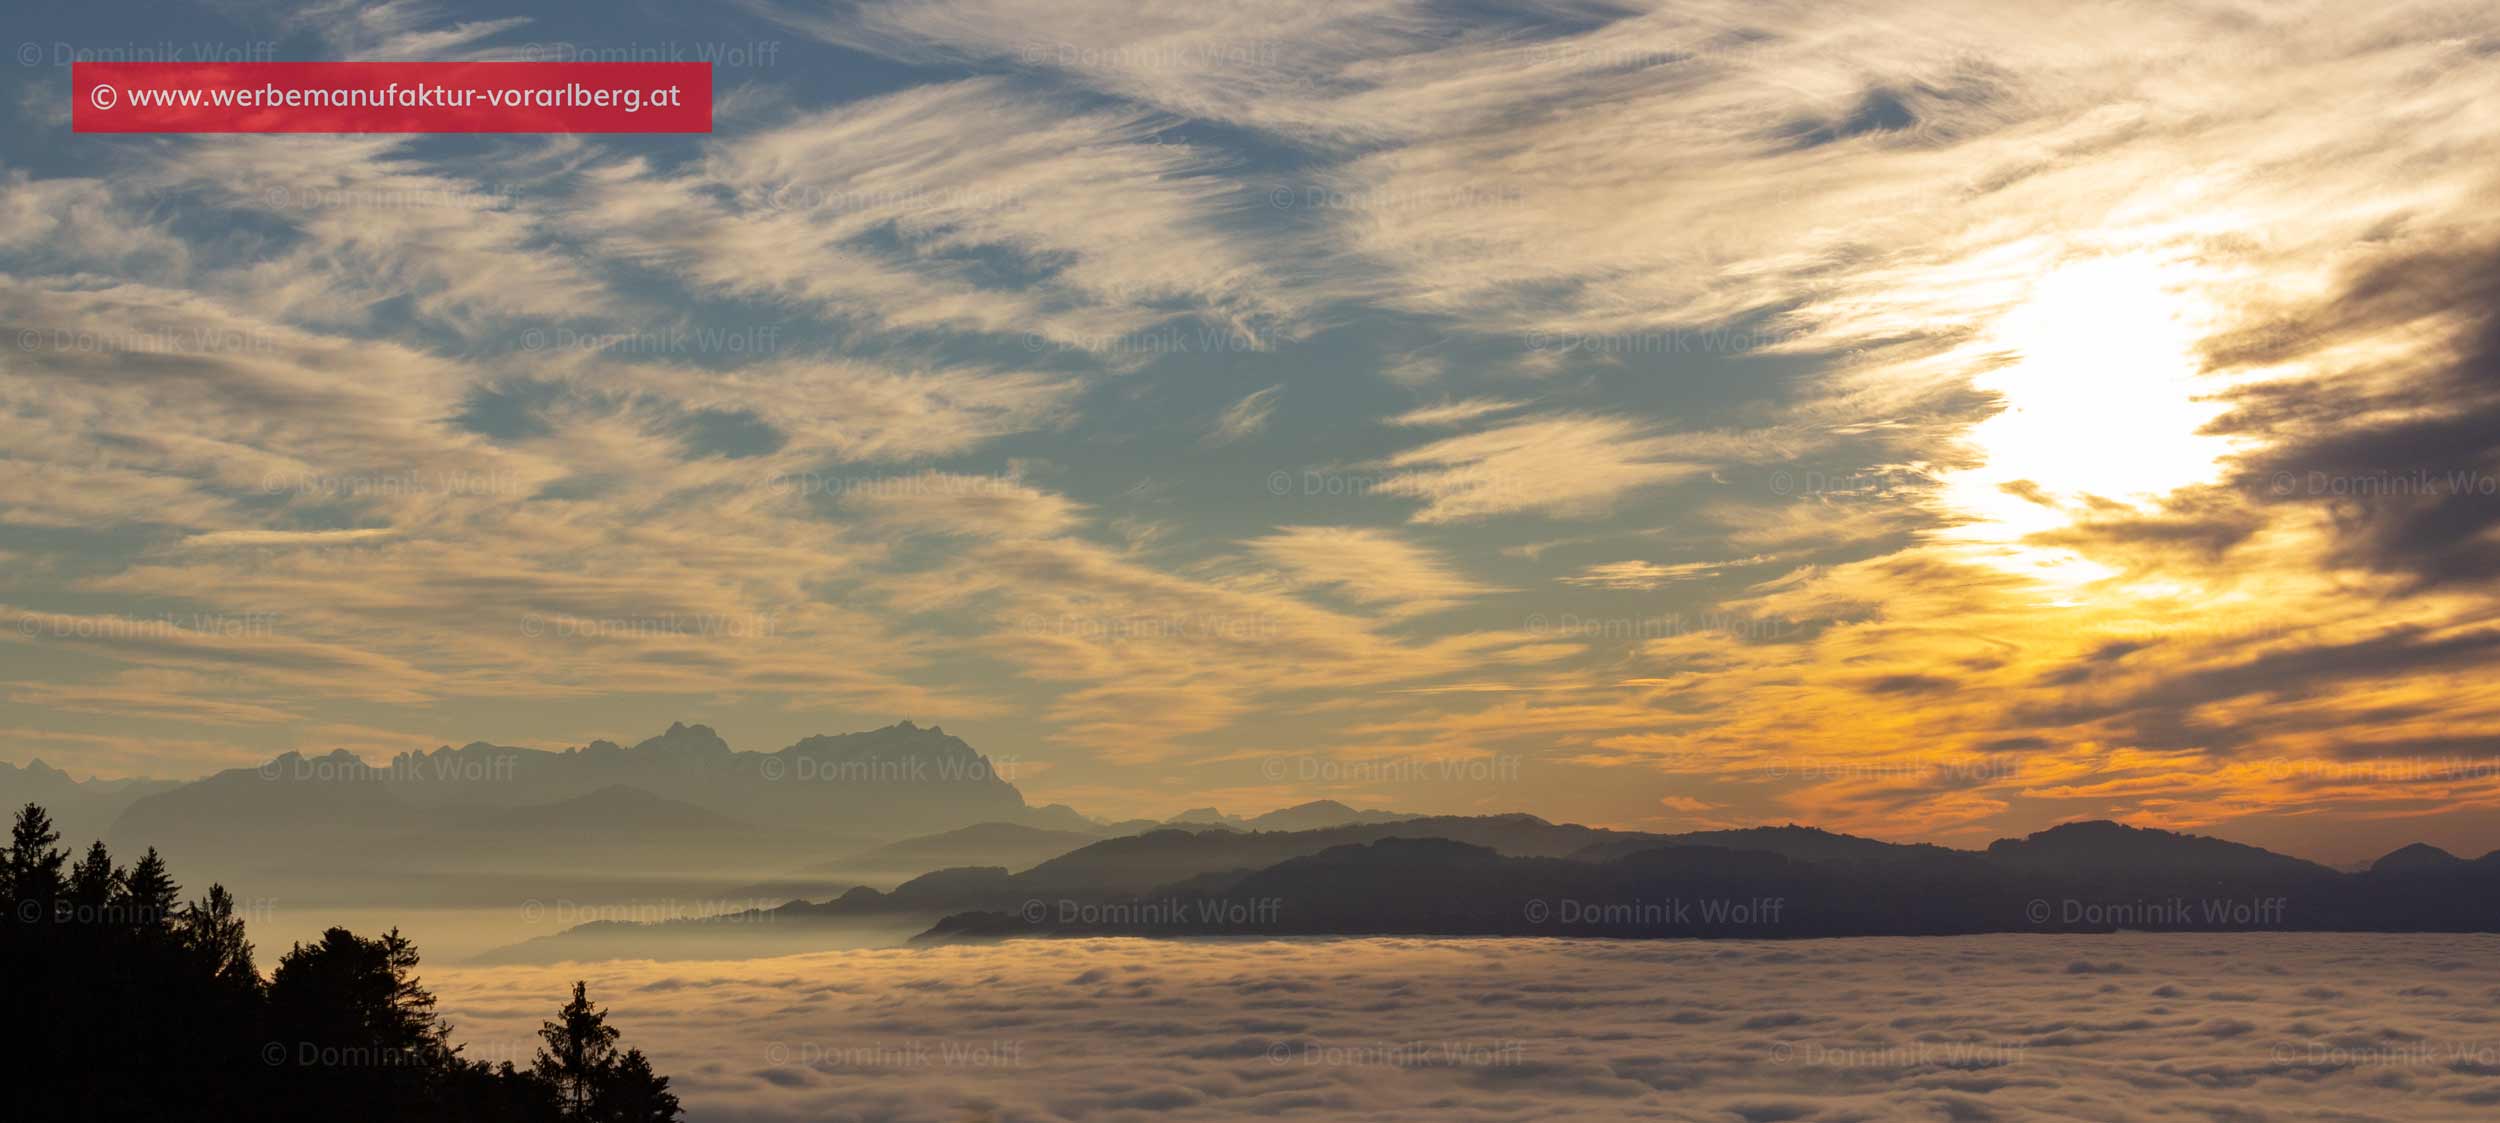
x=1517, y=875
x=1782, y=882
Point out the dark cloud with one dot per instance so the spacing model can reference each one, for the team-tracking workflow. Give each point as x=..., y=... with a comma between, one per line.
x=2200, y=525
x=2405, y=458
x=2160, y=715
x=1919, y=112
x=2094, y=662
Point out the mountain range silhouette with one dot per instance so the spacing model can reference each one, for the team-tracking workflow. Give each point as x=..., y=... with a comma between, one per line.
x=908, y=829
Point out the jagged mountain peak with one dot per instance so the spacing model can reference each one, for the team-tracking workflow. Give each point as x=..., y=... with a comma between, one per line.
x=903, y=738
x=685, y=740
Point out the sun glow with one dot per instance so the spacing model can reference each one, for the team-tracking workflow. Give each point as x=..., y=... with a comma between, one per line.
x=2100, y=405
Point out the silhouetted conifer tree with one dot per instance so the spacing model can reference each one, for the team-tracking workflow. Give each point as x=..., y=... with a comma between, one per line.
x=629, y=1092
x=143, y=1009
x=33, y=866
x=94, y=885
x=152, y=895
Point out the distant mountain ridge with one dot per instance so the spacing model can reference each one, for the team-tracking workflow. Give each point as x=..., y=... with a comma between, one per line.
x=1521, y=875
x=80, y=808
x=902, y=779
x=1761, y=883
x=1315, y=815
x=682, y=813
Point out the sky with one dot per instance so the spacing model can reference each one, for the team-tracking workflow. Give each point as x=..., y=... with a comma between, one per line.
x=1931, y=420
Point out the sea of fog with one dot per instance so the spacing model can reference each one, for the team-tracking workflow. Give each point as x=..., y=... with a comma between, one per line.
x=2126, y=1027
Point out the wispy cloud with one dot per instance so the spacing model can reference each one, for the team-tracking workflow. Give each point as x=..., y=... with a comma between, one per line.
x=1456, y=412
x=1245, y=417
x=1563, y=465
x=1369, y=566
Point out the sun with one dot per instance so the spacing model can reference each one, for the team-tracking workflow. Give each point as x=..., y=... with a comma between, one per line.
x=2100, y=404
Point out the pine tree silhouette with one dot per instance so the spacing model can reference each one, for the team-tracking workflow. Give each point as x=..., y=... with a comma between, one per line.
x=152, y=894
x=94, y=885
x=34, y=867
x=147, y=1009
x=629, y=1092
x=580, y=1047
